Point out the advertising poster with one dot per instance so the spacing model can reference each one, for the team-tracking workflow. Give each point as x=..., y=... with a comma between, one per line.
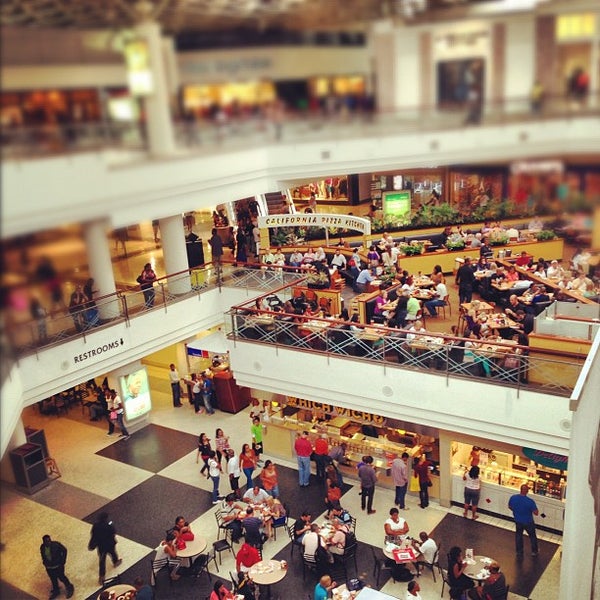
x=135, y=391
x=397, y=203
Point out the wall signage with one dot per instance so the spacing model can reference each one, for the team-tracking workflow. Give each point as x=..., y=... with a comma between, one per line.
x=335, y=410
x=548, y=459
x=316, y=220
x=107, y=348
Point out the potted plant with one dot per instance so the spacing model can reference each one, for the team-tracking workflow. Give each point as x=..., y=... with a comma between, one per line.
x=455, y=241
x=412, y=249
x=317, y=280
x=497, y=237
x=545, y=234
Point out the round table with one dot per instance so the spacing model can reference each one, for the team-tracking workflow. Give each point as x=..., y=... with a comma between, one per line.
x=120, y=591
x=475, y=568
x=267, y=572
x=192, y=549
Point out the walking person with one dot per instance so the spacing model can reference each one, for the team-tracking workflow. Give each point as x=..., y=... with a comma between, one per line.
x=204, y=450
x=196, y=392
x=117, y=414
x=214, y=471
x=103, y=539
x=422, y=472
x=465, y=278
x=54, y=557
x=523, y=509
x=175, y=385
x=257, y=438
x=472, y=491
x=233, y=470
x=207, y=391
x=146, y=280
x=221, y=444
x=216, y=246
x=248, y=462
x=368, y=479
x=400, y=477
x=303, y=449
x=39, y=314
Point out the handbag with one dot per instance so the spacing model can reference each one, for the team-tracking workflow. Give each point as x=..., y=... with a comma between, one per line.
x=429, y=483
x=113, y=415
x=140, y=279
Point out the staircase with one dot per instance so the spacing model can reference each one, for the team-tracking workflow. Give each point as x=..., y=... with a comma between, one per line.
x=276, y=203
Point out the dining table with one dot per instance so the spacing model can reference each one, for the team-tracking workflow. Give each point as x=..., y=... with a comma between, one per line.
x=342, y=592
x=267, y=572
x=120, y=591
x=478, y=306
x=193, y=548
x=477, y=568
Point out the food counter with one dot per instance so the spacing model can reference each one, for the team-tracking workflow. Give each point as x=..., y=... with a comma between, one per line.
x=502, y=475
x=364, y=434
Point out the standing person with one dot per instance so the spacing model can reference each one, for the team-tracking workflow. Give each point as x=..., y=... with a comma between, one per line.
x=38, y=313
x=204, y=450
x=116, y=414
x=91, y=309
x=257, y=438
x=472, y=491
x=146, y=280
x=422, y=472
x=54, y=557
x=196, y=392
x=103, y=539
x=368, y=479
x=400, y=477
x=77, y=307
x=233, y=470
x=221, y=444
x=303, y=449
x=241, y=255
x=207, y=390
x=268, y=477
x=321, y=455
x=216, y=247
x=214, y=471
x=175, y=385
x=465, y=278
x=248, y=462
x=523, y=509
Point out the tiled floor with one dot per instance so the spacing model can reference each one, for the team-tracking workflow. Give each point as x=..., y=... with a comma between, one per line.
x=143, y=495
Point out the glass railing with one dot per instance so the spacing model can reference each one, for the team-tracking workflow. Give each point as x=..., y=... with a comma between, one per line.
x=497, y=362
x=32, y=335
x=21, y=142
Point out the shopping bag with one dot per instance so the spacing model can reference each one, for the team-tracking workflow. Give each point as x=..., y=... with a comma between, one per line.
x=414, y=484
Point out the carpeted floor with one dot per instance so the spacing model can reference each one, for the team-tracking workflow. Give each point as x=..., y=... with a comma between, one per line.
x=499, y=544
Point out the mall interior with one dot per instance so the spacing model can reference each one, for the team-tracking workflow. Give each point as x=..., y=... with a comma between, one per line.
x=131, y=136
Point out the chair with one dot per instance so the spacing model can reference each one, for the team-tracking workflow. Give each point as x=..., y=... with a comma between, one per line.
x=155, y=567
x=447, y=305
x=309, y=564
x=446, y=582
x=234, y=581
x=433, y=564
x=379, y=564
x=353, y=525
x=221, y=525
x=111, y=581
x=222, y=546
x=349, y=555
x=282, y=523
x=295, y=542
x=200, y=565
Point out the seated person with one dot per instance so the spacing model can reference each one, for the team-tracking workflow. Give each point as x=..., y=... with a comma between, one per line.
x=363, y=280
x=309, y=258
x=475, y=240
x=302, y=526
x=279, y=258
x=231, y=512
x=415, y=330
x=168, y=551
x=277, y=511
x=514, y=304
x=337, y=513
x=554, y=271
x=338, y=261
x=268, y=257
x=493, y=588
x=524, y=260
x=323, y=588
x=482, y=264
x=182, y=529
x=221, y=592
x=441, y=292
x=245, y=586
x=426, y=547
x=511, y=274
x=253, y=528
x=413, y=308
x=296, y=259
x=412, y=590
x=320, y=255
x=256, y=495
x=395, y=527
x=246, y=557
x=337, y=543
x=457, y=579
x=311, y=541
x=498, y=275
x=540, y=271
x=536, y=224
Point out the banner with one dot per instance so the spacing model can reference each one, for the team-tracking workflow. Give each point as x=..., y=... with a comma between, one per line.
x=316, y=220
x=548, y=459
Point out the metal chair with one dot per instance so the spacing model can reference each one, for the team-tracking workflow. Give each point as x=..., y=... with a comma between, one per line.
x=446, y=305
x=353, y=525
x=308, y=564
x=111, y=581
x=155, y=567
x=379, y=564
x=295, y=542
x=431, y=565
x=222, y=546
x=200, y=565
x=349, y=554
x=221, y=525
x=282, y=523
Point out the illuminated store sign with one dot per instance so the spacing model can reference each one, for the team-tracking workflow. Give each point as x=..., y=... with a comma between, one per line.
x=316, y=220
x=135, y=391
x=334, y=410
x=548, y=459
x=139, y=74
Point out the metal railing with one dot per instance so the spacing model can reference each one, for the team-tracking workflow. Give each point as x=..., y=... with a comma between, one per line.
x=503, y=364
x=203, y=135
x=32, y=335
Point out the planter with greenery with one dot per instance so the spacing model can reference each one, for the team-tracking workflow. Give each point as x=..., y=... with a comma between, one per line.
x=545, y=234
x=412, y=249
x=318, y=280
x=455, y=241
x=498, y=237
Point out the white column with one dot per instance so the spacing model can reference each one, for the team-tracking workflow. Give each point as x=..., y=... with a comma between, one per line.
x=101, y=269
x=175, y=255
x=445, y=441
x=159, y=123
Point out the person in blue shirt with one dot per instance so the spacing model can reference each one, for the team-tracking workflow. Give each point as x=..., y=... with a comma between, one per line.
x=323, y=588
x=523, y=509
x=207, y=388
x=362, y=281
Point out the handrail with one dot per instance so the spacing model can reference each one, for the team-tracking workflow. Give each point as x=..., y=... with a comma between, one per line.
x=32, y=141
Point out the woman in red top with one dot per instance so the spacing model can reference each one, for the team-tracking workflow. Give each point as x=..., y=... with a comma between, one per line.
x=220, y=592
x=248, y=462
x=268, y=476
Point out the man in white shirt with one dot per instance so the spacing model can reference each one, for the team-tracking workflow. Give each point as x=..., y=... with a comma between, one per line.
x=339, y=260
x=416, y=329
x=175, y=386
x=426, y=548
x=234, y=472
x=296, y=259
x=231, y=513
x=554, y=270
x=255, y=496
x=311, y=541
x=441, y=291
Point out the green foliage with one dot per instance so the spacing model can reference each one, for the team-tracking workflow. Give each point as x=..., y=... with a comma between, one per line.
x=314, y=233
x=545, y=234
x=455, y=242
x=412, y=249
x=279, y=237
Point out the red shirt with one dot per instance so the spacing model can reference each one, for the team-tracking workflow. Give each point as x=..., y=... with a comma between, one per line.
x=303, y=447
x=321, y=446
x=247, y=555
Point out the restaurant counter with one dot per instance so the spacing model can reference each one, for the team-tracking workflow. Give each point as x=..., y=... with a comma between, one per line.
x=282, y=432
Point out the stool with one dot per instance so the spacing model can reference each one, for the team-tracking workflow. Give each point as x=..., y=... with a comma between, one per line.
x=222, y=546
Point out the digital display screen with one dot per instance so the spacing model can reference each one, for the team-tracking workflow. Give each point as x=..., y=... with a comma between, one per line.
x=397, y=203
x=135, y=391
